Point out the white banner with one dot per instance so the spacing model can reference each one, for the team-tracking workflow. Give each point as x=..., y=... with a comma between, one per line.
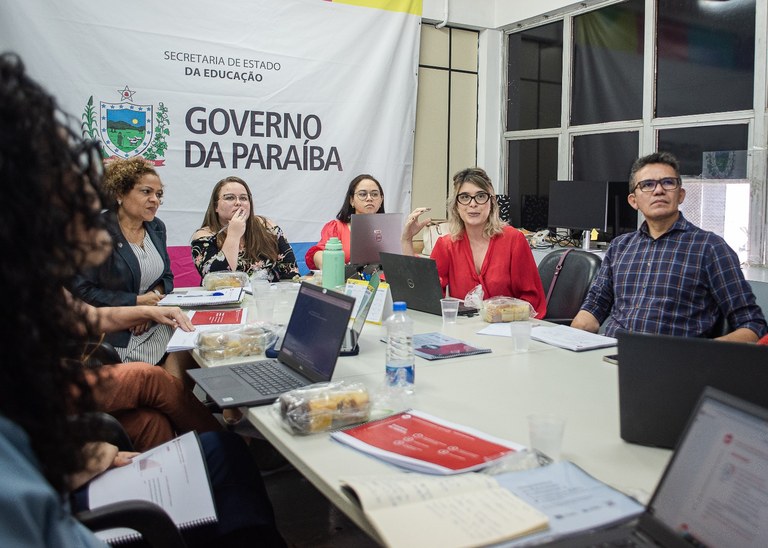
x=294, y=96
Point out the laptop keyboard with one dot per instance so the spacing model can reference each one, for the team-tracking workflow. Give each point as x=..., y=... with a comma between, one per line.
x=267, y=378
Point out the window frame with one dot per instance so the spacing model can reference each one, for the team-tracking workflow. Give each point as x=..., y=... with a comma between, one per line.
x=648, y=127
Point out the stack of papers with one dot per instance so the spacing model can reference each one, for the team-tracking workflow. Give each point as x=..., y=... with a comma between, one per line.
x=571, y=338
x=204, y=321
x=220, y=297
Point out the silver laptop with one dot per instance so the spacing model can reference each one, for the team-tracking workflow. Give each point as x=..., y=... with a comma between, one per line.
x=308, y=354
x=372, y=234
x=714, y=491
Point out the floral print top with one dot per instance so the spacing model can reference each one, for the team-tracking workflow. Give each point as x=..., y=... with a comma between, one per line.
x=209, y=258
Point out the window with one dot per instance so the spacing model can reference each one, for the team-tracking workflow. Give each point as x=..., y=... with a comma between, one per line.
x=608, y=64
x=534, y=75
x=713, y=166
x=706, y=56
x=699, y=76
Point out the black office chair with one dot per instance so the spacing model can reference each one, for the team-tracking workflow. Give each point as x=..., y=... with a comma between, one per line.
x=504, y=207
x=96, y=353
x=566, y=275
x=721, y=327
x=143, y=516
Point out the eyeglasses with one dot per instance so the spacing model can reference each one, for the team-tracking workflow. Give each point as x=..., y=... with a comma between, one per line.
x=231, y=198
x=363, y=194
x=147, y=192
x=649, y=185
x=480, y=198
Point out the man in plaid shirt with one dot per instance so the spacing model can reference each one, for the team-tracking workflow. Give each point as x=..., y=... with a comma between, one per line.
x=669, y=277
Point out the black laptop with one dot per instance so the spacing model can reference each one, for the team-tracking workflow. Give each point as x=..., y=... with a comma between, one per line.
x=415, y=281
x=308, y=354
x=661, y=377
x=714, y=491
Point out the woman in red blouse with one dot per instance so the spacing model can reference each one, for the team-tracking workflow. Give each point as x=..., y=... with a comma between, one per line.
x=480, y=249
x=364, y=196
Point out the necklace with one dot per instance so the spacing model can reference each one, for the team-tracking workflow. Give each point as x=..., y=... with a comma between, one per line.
x=135, y=235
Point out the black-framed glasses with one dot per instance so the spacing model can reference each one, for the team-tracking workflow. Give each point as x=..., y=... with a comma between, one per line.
x=649, y=185
x=480, y=198
x=363, y=194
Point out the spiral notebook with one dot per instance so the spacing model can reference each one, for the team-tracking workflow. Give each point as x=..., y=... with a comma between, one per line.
x=436, y=346
x=172, y=475
x=198, y=297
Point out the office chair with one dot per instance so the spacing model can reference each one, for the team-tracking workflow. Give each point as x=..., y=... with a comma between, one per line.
x=140, y=515
x=721, y=327
x=100, y=353
x=566, y=275
x=504, y=207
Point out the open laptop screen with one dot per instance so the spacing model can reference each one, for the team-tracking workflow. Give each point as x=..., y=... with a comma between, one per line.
x=716, y=489
x=317, y=325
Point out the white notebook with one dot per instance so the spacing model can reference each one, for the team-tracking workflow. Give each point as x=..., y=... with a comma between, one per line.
x=172, y=475
x=220, y=297
x=570, y=338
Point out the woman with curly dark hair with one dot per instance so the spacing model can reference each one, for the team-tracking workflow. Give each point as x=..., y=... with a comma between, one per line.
x=48, y=443
x=138, y=271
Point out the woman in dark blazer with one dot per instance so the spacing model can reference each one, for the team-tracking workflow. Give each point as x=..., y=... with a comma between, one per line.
x=138, y=272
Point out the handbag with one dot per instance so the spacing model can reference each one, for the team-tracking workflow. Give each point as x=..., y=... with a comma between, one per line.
x=431, y=233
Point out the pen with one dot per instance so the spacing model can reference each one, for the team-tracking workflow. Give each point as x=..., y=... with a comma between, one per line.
x=214, y=294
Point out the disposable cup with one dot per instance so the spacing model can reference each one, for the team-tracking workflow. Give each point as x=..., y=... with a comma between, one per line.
x=265, y=307
x=450, y=309
x=546, y=433
x=260, y=287
x=521, y=335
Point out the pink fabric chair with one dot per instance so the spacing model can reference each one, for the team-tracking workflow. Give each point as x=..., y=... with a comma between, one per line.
x=184, y=271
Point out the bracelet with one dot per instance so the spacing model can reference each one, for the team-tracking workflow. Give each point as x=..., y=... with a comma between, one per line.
x=156, y=292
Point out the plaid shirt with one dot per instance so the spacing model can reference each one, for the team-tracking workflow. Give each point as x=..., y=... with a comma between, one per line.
x=678, y=284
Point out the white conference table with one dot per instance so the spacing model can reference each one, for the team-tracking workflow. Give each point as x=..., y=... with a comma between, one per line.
x=493, y=393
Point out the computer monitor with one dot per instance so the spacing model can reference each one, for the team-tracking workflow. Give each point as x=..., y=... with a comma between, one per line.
x=587, y=205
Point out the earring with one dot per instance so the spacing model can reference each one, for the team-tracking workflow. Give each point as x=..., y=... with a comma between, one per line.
x=119, y=202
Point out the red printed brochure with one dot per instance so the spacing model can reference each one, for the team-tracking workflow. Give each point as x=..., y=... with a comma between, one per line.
x=421, y=442
x=213, y=317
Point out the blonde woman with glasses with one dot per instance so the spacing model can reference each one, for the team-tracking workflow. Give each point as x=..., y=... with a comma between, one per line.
x=364, y=196
x=233, y=238
x=480, y=249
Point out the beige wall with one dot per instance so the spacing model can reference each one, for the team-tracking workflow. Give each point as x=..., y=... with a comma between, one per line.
x=446, y=114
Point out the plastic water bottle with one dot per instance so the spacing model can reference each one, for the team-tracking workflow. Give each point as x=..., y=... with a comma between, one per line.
x=400, y=368
x=333, y=264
